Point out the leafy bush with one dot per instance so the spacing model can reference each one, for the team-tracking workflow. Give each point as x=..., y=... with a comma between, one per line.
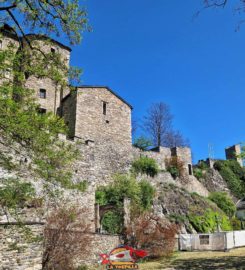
x=112, y=222
x=224, y=202
x=198, y=173
x=174, y=166
x=145, y=165
x=209, y=221
x=146, y=195
x=140, y=193
x=233, y=174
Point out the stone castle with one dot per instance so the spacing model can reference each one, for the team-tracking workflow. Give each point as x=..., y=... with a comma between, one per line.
x=100, y=120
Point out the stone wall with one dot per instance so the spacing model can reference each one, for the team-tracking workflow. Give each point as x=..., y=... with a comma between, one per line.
x=233, y=152
x=102, y=123
x=100, y=243
x=16, y=253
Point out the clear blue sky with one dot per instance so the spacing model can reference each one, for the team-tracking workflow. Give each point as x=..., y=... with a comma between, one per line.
x=153, y=50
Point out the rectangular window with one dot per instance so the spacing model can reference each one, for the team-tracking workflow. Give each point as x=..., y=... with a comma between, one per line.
x=1, y=44
x=104, y=107
x=42, y=93
x=204, y=239
x=190, y=169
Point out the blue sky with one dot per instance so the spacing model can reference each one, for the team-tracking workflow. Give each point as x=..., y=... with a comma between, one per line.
x=152, y=50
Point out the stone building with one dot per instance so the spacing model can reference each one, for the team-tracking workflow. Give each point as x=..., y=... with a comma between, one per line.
x=233, y=152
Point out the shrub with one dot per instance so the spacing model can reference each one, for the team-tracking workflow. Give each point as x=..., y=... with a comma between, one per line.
x=153, y=234
x=224, y=202
x=145, y=165
x=232, y=173
x=140, y=193
x=174, y=166
x=198, y=173
x=65, y=238
x=209, y=221
x=112, y=222
x=146, y=195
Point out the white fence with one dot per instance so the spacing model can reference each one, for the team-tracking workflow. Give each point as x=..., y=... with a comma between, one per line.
x=214, y=241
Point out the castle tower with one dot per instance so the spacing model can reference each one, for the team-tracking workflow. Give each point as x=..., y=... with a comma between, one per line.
x=48, y=94
x=233, y=153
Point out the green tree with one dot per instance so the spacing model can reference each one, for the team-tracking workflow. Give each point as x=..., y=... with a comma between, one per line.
x=45, y=16
x=23, y=130
x=142, y=143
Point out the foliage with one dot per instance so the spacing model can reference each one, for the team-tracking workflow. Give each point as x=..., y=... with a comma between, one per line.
x=23, y=130
x=67, y=17
x=112, y=222
x=224, y=202
x=236, y=224
x=174, y=166
x=209, y=221
x=142, y=143
x=200, y=169
x=198, y=173
x=153, y=234
x=146, y=195
x=14, y=193
x=66, y=237
x=140, y=193
x=233, y=174
x=145, y=165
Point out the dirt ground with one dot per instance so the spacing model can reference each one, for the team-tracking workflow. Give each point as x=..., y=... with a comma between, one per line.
x=232, y=260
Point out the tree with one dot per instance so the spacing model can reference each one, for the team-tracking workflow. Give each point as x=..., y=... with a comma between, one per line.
x=175, y=139
x=24, y=132
x=158, y=124
x=45, y=17
x=142, y=143
x=239, y=7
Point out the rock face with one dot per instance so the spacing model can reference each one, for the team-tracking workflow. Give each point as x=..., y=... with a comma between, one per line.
x=213, y=181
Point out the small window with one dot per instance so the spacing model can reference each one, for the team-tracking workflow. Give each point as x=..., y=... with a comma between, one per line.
x=1, y=44
x=53, y=50
x=104, y=107
x=204, y=239
x=42, y=110
x=190, y=169
x=42, y=93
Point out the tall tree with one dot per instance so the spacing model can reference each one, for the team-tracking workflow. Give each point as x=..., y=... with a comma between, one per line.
x=47, y=17
x=158, y=123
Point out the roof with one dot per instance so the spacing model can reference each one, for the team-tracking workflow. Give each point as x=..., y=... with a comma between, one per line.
x=110, y=90
x=39, y=36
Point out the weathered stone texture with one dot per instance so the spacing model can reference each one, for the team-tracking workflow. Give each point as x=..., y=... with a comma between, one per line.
x=92, y=123
x=16, y=253
x=233, y=152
